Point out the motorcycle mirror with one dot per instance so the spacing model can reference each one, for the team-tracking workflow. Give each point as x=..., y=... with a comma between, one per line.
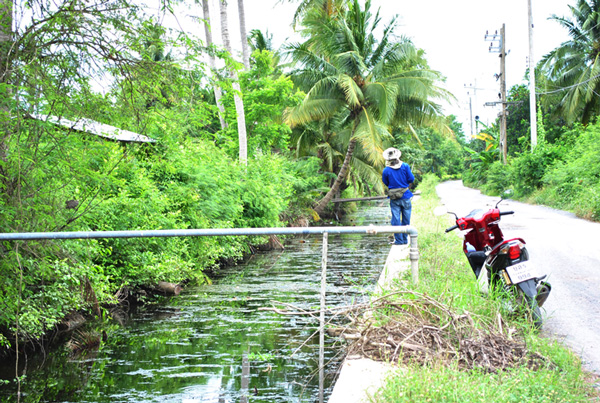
x=441, y=210
x=507, y=193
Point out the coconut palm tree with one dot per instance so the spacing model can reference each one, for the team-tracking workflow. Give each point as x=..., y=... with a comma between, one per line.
x=212, y=63
x=329, y=7
x=361, y=83
x=261, y=41
x=6, y=10
x=239, y=103
x=572, y=70
x=244, y=35
x=6, y=22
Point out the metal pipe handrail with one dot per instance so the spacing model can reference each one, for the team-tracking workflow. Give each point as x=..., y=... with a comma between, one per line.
x=370, y=229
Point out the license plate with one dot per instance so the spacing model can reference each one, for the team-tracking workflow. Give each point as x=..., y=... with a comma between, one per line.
x=520, y=272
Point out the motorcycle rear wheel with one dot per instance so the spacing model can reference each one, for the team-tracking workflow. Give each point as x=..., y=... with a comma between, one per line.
x=530, y=306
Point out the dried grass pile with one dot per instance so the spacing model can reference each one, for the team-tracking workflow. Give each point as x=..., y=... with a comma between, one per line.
x=411, y=328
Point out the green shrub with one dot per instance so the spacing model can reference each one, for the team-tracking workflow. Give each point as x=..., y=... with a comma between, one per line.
x=564, y=175
x=528, y=169
x=573, y=183
x=588, y=203
x=497, y=178
x=173, y=185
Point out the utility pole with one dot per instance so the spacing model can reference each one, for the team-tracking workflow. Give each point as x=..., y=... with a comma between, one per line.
x=470, y=112
x=532, y=103
x=474, y=88
x=503, y=94
x=501, y=48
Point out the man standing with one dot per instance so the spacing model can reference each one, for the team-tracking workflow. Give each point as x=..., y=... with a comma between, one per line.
x=397, y=176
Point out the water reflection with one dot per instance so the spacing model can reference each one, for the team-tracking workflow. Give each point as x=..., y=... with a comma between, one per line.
x=212, y=344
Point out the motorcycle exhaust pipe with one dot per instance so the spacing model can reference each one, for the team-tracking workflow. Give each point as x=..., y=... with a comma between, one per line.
x=543, y=290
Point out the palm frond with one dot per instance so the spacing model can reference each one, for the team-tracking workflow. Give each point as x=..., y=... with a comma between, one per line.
x=572, y=70
x=384, y=96
x=352, y=91
x=371, y=134
x=312, y=110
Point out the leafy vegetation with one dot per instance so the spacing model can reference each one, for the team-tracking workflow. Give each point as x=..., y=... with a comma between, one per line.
x=561, y=174
x=54, y=178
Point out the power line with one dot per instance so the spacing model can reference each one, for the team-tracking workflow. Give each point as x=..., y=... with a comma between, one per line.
x=583, y=31
x=581, y=34
x=569, y=87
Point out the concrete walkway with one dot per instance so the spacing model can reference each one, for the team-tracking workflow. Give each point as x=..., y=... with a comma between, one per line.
x=361, y=377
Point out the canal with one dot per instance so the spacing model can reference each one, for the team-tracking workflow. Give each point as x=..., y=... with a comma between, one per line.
x=196, y=347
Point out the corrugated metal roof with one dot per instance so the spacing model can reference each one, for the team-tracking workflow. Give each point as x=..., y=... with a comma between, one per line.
x=97, y=128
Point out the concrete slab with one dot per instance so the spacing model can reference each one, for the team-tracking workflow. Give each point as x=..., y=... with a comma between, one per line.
x=397, y=262
x=361, y=377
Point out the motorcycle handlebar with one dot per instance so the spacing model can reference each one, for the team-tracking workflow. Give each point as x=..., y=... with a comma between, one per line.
x=452, y=228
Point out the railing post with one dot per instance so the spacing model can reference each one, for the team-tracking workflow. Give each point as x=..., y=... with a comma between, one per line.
x=414, y=257
x=322, y=317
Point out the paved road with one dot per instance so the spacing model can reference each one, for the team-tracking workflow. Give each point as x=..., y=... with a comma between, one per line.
x=562, y=246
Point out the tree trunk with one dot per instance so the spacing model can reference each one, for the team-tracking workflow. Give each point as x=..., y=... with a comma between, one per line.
x=6, y=41
x=168, y=288
x=239, y=103
x=244, y=35
x=322, y=204
x=212, y=64
x=6, y=21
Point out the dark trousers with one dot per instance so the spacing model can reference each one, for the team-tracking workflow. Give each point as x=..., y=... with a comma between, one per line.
x=401, y=209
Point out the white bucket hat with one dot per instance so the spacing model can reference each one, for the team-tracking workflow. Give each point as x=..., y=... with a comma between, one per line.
x=392, y=154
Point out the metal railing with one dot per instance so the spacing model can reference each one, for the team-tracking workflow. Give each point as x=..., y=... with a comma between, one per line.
x=369, y=230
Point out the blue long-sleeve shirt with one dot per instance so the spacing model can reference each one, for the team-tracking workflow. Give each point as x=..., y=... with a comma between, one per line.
x=398, y=178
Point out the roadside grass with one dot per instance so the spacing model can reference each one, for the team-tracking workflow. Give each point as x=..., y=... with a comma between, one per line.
x=519, y=385
x=445, y=275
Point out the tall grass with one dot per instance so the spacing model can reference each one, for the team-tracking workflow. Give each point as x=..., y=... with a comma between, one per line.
x=446, y=275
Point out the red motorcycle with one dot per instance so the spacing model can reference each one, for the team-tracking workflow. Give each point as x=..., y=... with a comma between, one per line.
x=501, y=263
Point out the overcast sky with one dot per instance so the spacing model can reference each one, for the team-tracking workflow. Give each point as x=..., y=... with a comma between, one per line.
x=452, y=33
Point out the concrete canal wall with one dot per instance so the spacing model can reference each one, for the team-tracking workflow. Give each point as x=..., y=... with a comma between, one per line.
x=361, y=377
